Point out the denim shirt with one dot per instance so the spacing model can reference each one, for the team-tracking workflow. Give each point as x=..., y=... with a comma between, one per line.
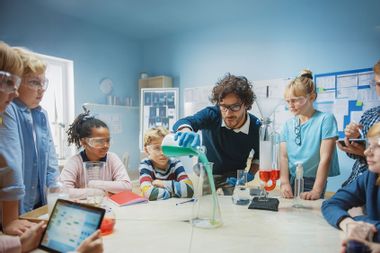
x=34, y=157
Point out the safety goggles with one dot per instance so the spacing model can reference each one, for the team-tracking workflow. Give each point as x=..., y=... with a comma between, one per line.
x=232, y=108
x=98, y=142
x=9, y=83
x=37, y=83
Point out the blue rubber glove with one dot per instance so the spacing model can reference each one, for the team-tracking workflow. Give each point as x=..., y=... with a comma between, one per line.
x=187, y=139
x=232, y=180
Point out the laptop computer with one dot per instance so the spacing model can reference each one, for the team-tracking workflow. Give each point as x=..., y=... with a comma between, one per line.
x=70, y=223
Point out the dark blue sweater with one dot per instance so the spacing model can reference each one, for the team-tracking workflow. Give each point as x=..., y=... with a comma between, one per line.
x=362, y=191
x=227, y=149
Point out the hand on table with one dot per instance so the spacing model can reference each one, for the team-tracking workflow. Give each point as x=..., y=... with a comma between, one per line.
x=17, y=227
x=311, y=195
x=286, y=191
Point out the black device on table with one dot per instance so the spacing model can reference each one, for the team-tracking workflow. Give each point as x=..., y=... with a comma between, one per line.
x=69, y=224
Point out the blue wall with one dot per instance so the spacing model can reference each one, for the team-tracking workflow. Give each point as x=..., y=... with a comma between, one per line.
x=96, y=52
x=271, y=39
x=324, y=38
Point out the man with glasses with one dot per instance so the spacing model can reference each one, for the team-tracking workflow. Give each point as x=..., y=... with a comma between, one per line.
x=229, y=132
x=26, y=137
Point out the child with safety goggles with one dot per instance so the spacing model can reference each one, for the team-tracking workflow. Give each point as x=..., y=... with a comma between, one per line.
x=92, y=137
x=162, y=177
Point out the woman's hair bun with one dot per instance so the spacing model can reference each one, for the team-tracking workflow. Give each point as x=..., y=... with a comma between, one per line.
x=306, y=73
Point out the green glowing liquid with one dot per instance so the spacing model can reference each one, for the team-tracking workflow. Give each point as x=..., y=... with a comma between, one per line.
x=184, y=151
x=178, y=151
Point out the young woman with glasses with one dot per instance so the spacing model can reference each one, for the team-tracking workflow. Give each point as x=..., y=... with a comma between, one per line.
x=92, y=136
x=309, y=138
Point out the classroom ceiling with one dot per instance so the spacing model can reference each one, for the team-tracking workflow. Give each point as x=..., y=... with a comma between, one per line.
x=144, y=19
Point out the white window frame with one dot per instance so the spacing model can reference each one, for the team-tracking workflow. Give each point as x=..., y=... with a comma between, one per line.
x=59, y=101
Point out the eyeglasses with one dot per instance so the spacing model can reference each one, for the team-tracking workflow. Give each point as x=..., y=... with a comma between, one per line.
x=155, y=148
x=297, y=131
x=98, y=142
x=38, y=84
x=232, y=108
x=9, y=83
x=299, y=101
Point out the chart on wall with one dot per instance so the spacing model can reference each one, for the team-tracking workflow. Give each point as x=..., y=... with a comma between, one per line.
x=159, y=107
x=346, y=94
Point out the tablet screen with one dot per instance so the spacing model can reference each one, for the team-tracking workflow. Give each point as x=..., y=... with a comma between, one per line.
x=70, y=224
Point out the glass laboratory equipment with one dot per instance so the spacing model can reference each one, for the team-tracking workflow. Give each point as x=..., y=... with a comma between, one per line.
x=269, y=171
x=93, y=170
x=108, y=222
x=206, y=210
x=298, y=186
x=241, y=194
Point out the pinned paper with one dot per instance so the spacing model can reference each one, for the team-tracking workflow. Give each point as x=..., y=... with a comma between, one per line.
x=359, y=103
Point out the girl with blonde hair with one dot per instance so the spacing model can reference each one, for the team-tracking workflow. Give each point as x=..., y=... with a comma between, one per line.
x=308, y=138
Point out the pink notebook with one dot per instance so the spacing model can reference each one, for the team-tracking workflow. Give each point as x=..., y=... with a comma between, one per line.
x=126, y=198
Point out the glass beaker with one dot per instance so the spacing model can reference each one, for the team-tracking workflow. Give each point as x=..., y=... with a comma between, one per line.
x=241, y=195
x=93, y=170
x=108, y=222
x=206, y=209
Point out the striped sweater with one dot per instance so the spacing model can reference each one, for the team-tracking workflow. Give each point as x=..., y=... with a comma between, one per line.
x=177, y=183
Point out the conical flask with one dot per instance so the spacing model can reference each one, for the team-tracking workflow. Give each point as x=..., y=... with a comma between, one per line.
x=206, y=210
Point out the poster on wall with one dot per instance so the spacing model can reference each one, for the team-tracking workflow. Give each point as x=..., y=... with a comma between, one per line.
x=159, y=107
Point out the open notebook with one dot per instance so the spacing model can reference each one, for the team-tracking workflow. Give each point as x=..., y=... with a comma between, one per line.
x=126, y=198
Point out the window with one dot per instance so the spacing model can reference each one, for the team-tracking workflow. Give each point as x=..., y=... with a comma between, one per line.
x=59, y=101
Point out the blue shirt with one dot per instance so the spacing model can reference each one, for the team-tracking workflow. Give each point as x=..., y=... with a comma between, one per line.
x=319, y=127
x=368, y=119
x=227, y=149
x=29, y=153
x=362, y=191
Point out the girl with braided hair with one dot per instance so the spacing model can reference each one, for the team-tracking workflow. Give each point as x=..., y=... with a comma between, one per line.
x=92, y=137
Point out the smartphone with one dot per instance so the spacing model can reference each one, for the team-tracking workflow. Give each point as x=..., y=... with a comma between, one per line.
x=359, y=141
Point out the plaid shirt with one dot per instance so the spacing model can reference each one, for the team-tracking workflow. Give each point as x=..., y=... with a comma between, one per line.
x=368, y=119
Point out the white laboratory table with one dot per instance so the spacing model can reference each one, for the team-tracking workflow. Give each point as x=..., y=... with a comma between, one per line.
x=161, y=226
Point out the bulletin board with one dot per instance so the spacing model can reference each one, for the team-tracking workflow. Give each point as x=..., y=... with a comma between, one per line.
x=346, y=94
x=159, y=107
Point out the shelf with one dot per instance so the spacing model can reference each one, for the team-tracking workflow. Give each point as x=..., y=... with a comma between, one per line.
x=106, y=105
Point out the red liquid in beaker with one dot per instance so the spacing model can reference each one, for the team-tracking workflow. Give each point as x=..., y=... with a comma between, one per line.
x=264, y=175
x=275, y=175
x=107, y=225
x=269, y=175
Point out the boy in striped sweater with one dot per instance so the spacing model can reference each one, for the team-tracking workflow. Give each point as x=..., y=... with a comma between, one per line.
x=162, y=177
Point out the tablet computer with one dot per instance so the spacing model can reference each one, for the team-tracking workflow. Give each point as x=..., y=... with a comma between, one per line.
x=70, y=223
x=359, y=141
